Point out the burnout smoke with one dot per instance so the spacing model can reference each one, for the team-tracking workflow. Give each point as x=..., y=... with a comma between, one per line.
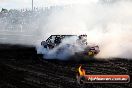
x=107, y=23
x=67, y=48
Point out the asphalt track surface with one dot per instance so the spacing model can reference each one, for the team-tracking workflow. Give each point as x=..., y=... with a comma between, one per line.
x=21, y=67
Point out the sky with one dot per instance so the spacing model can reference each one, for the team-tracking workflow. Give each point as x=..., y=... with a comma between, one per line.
x=17, y=4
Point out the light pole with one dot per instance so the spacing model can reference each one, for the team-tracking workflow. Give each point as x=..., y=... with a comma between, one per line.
x=32, y=5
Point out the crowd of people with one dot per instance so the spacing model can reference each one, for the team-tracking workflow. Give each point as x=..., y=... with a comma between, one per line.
x=25, y=19
x=20, y=19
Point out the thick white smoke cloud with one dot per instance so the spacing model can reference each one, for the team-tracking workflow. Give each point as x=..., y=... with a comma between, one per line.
x=107, y=23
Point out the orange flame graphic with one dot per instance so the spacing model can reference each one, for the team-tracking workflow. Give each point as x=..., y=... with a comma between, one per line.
x=81, y=71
